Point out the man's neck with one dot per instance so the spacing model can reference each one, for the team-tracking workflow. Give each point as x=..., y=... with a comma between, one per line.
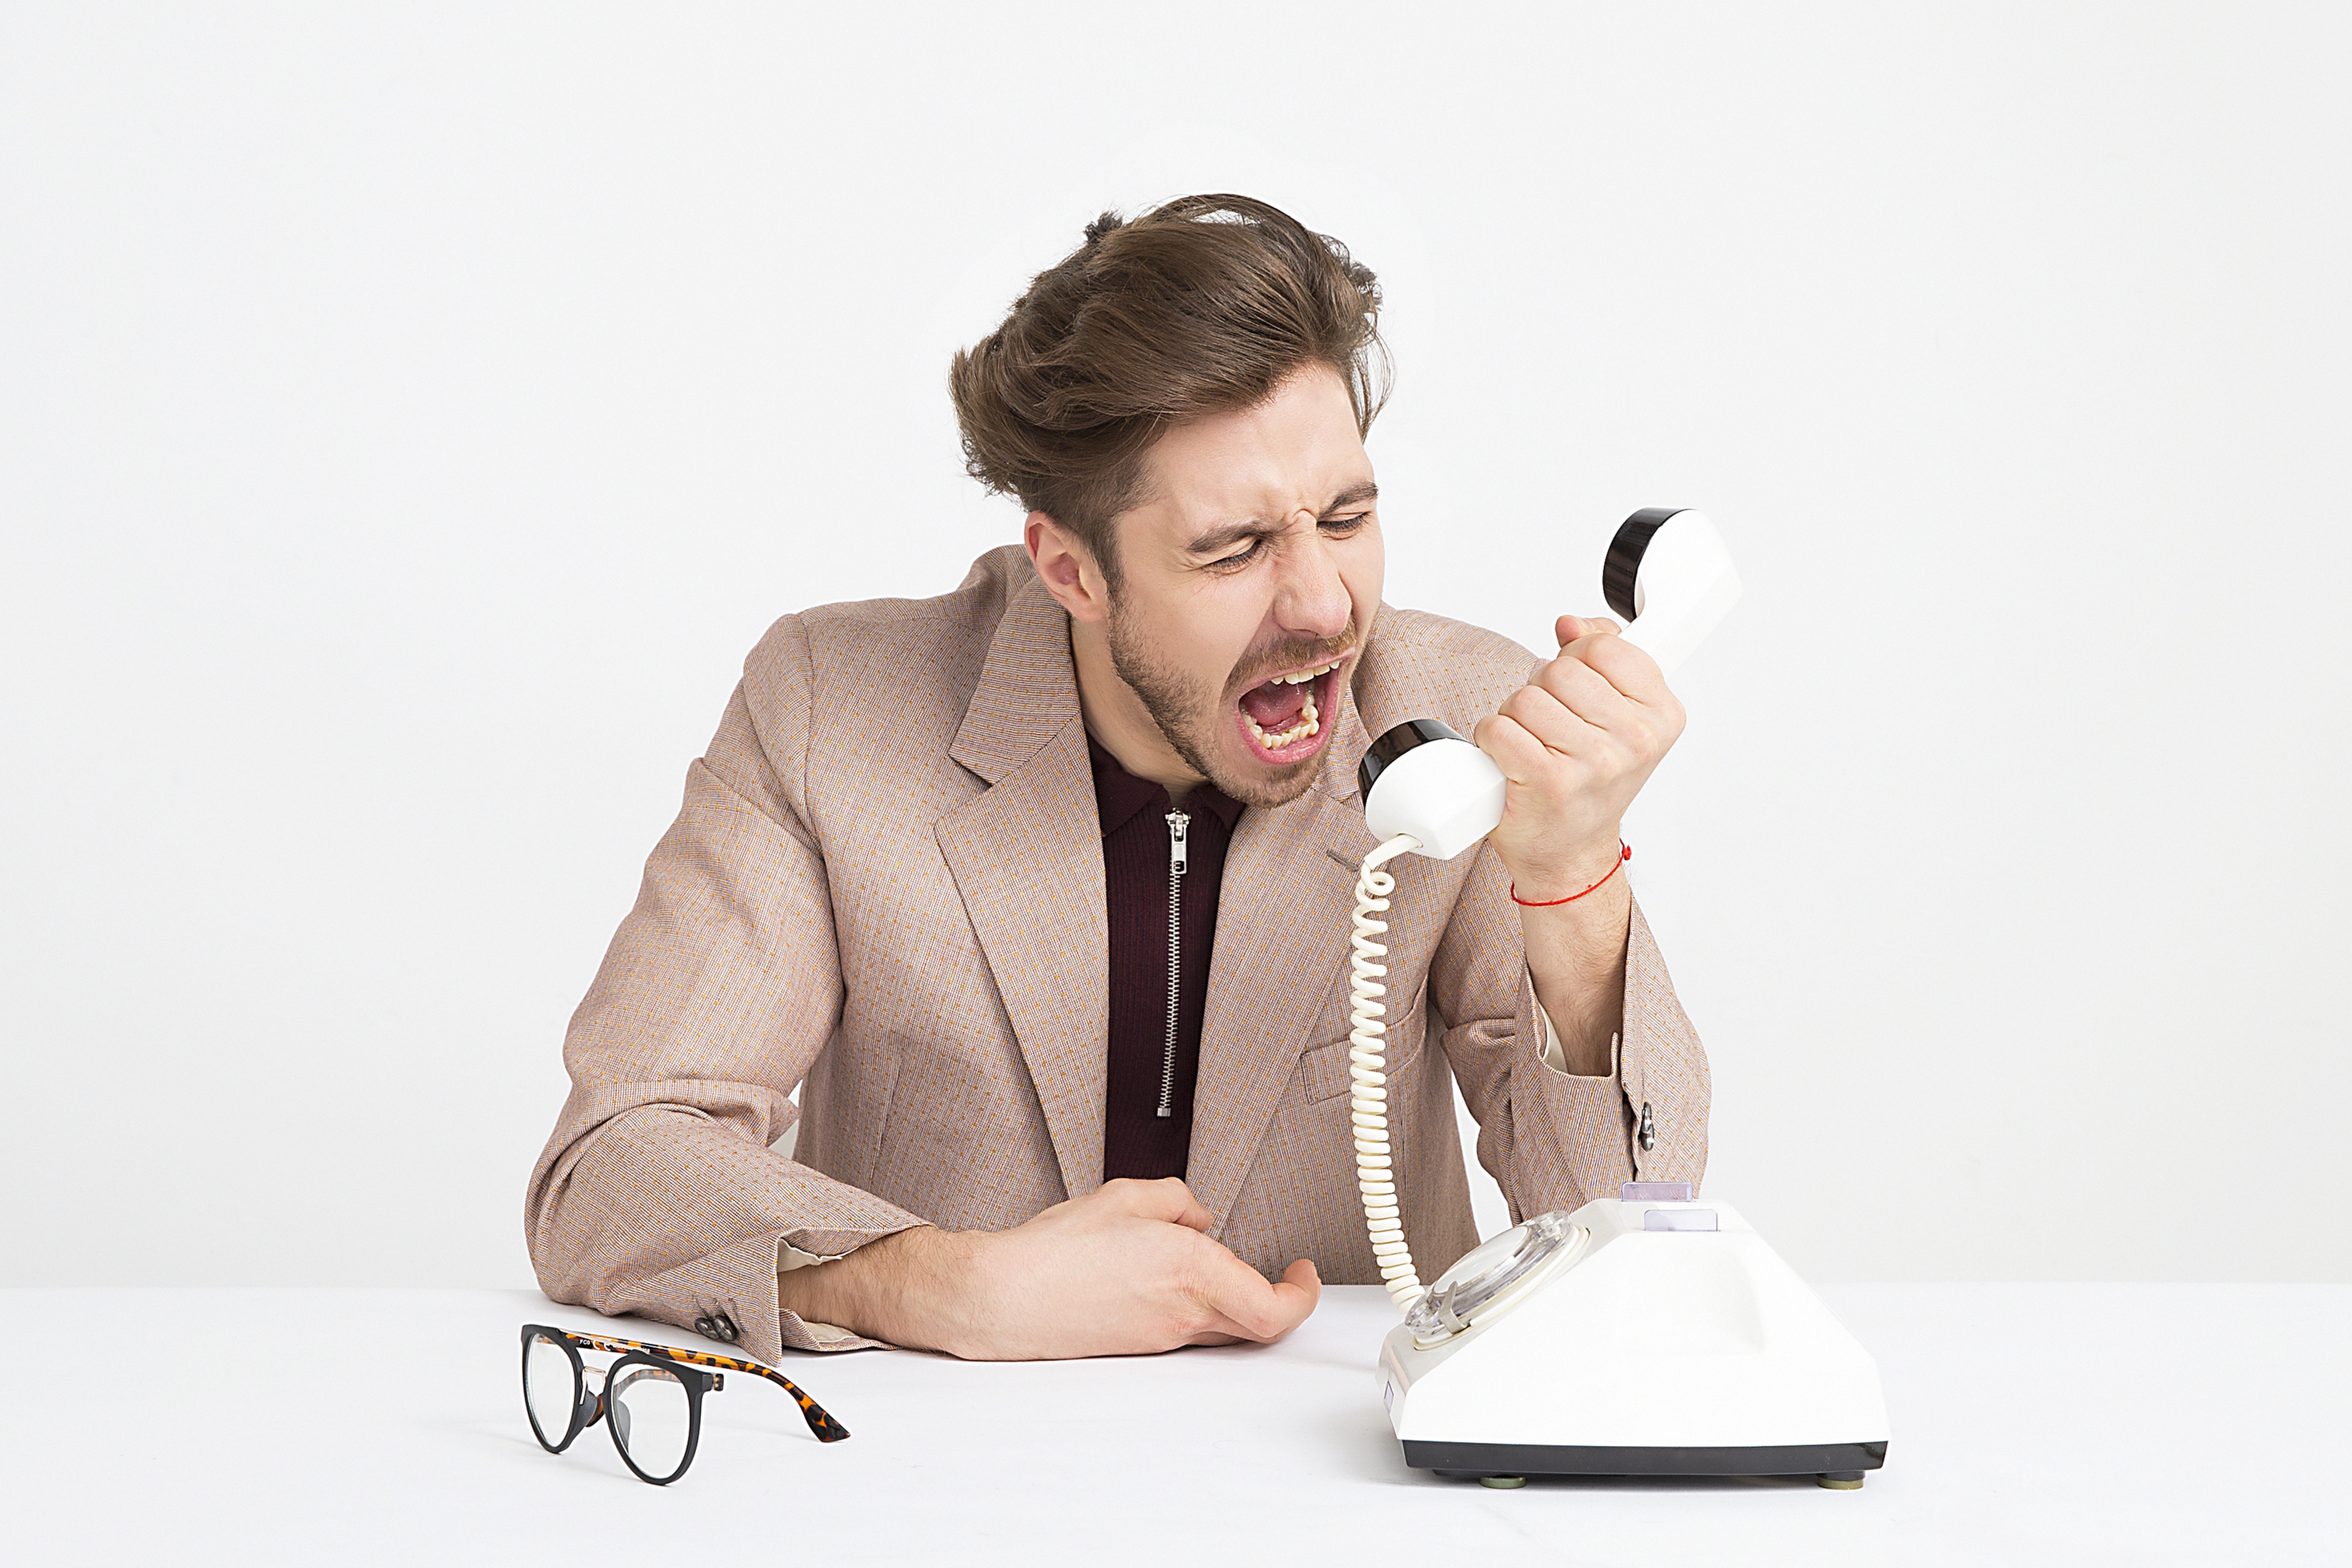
x=1117, y=720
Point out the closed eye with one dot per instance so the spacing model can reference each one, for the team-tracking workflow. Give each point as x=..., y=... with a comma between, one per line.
x=1342, y=526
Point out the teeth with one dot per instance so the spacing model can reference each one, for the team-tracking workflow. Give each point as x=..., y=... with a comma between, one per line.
x=1305, y=675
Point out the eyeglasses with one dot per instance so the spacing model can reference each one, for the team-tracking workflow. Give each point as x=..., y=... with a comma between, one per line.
x=650, y=1399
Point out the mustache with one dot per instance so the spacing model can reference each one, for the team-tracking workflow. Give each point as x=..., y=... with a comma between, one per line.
x=1290, y=655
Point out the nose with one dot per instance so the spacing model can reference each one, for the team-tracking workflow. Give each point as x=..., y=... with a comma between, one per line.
x=1310, y=599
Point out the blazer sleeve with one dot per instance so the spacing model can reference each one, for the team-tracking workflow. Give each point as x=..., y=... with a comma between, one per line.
x=658, y=1192
x=1554, y=1139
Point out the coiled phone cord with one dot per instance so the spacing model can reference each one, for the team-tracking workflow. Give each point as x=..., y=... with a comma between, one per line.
x=1367, y=1071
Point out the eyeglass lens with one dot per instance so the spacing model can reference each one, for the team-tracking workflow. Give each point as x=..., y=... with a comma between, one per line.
x=549, y=1390
x=651, y=1417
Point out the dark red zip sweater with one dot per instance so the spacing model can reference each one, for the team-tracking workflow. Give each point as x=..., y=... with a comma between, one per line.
x=1138, y=853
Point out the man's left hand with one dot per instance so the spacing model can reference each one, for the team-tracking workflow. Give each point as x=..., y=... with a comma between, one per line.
x=1577, y=744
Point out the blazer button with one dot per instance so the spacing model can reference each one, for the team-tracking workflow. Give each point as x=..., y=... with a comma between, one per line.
x=723, y=1329
x=1648, y=1135
x=705, y=1326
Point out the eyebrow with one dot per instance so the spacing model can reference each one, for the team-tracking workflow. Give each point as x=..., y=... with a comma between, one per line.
x=1228, y=534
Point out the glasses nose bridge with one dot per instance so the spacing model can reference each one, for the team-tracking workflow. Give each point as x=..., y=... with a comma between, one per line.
x=593, y=1385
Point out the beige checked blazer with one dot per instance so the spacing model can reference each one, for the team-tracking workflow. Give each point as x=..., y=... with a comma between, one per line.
x=885, y=885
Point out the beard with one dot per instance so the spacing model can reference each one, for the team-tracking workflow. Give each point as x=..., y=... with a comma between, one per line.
x=1192, y=715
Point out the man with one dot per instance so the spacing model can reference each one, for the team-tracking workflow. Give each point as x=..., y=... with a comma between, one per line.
x=1040, y=891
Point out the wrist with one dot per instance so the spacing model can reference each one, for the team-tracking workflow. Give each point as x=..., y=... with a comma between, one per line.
x=1569, y=879
x=902, y=1288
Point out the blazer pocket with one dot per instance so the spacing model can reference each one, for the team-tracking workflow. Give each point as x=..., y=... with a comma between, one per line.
x=1322, y=1070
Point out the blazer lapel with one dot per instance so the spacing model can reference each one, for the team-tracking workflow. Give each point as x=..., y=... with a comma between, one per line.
x=1279, y=872
x=1027, y=857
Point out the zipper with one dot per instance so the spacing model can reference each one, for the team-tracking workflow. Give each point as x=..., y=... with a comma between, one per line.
x=1177, y=822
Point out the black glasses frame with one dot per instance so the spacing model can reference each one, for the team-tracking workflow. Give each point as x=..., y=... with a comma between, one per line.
x=589, y=1406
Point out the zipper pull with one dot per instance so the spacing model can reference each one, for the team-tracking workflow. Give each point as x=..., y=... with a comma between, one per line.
x=1177, y=822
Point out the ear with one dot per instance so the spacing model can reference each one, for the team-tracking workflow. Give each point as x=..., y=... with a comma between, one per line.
x=1068, y=568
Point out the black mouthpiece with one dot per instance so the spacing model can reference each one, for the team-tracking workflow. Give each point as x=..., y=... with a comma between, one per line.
x=1623, y=562
x=1396, y=743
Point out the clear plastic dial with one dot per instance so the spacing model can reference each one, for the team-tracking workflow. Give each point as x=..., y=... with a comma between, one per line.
x=1486, y=1280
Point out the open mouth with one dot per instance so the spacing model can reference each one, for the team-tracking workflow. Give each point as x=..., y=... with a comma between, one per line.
x=1282, y=719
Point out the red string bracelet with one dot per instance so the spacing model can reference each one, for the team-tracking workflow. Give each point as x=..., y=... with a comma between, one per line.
x=1624, y=853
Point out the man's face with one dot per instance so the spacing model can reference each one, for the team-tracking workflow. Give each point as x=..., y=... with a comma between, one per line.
x=1255, y=562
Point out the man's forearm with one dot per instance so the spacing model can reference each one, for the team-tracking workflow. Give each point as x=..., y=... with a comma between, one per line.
x=1128, y=1269
x=1576, y=955
x=893, y=1289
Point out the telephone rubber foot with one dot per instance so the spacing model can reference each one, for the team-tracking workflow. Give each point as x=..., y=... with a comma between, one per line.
x=1841, y=1480
x=1512, y=1483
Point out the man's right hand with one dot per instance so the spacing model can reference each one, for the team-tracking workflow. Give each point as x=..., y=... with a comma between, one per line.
x=1128, y=1269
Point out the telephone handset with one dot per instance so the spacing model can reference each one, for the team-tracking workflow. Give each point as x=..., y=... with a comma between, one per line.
x=1667, y=573
x=1428, y=791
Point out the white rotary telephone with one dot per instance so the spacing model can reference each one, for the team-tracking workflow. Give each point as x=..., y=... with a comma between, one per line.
x=1643, y=1334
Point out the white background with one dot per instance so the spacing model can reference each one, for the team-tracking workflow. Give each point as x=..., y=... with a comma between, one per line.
x=410, y=416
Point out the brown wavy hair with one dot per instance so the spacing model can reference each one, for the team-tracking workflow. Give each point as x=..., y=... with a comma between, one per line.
x=1203, y=305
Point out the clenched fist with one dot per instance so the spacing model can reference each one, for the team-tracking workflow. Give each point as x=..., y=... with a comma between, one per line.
x=1577, y=744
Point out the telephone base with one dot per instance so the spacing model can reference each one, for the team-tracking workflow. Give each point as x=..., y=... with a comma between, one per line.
x=1480, y=1459
x=1647, y=1336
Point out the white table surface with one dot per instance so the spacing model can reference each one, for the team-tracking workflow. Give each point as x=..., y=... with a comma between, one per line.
x=2073, y=1424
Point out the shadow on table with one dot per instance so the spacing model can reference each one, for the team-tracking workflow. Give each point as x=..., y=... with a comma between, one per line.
x=1643, y=1483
